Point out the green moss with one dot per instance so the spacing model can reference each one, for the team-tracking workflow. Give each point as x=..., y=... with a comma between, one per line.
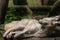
x=1, y=38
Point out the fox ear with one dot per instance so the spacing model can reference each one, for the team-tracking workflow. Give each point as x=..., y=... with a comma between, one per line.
x=57, y=18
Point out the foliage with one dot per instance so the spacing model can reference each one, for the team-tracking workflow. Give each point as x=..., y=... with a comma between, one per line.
x=9, y=16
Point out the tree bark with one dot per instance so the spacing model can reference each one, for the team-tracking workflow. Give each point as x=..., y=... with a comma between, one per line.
x=3, y=10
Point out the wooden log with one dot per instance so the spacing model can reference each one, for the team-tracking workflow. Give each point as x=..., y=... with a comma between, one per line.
x=47, y=38
x=39, y=39
x=34, y=38
x=55, y=10
x=57, y=38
